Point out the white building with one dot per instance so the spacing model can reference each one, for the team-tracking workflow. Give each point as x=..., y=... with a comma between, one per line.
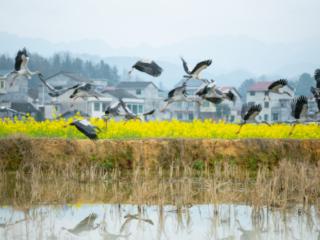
x=147, y=91
x=277, y=109
x=187, y=111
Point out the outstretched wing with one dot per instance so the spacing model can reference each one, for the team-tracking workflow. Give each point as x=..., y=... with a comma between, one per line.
x=201, y=66
x=278, y=84
x=185, y=66
x=149, y=113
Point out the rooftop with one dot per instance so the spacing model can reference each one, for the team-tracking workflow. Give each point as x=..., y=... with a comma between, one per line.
x=74, y=76
x=134, y=84
x=260, y=86
x=118, y=93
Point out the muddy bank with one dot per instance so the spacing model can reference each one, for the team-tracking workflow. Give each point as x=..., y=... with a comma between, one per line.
x=22, y=153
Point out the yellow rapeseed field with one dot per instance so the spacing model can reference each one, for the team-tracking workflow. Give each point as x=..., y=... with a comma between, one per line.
x=156, y=129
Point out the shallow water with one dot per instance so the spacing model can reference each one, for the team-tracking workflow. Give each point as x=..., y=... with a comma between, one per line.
x=224, y=221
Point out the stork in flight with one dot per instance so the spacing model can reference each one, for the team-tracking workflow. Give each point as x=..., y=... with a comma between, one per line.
x=299, y=110
x=147, y=66
x=316, y=94
x=129, y=115
x=275, y=88
x=21, y=67
x=194, y=73
x=177, y=94
x=212, y=94
x=86, y=128
x=317, y=79
x=249, y=114
x=54, y=92
x=84, y=91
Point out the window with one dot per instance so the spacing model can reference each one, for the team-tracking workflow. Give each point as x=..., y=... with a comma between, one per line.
x=232, y=118
x=179, y=116
x=179, y=104
x=206, y=104
x=266, y=117
x=97, y=107
x=190, y=104
x=140, y=108
x=266, y=104
x=129, y=106
x=252, y=93
x=135, y=109
x=2, y=84
x=275, y=116
x=138, y=91
x=190, y=116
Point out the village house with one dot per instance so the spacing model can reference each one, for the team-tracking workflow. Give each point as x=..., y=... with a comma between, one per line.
x=275, y=110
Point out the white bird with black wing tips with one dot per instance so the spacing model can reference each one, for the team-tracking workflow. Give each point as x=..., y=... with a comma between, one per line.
x=21, y=67
x=84, y=91
x=249, y=114
x=129, y=115
x=194, y=73
x=277, y=87
x=54, y=92
x=177, y=94
x=147, y=66
x=211, y=93
x=299, y=110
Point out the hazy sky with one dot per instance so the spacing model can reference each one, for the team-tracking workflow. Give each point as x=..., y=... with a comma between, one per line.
x=160, y=22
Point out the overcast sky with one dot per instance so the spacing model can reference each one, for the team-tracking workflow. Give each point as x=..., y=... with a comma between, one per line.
x=126, y=23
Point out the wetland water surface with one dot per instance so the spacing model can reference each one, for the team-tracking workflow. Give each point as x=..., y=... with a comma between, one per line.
x=115, y=221
x=226, y=202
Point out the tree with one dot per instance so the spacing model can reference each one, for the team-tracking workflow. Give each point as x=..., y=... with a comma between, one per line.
x=244, y=87
x=304, y=83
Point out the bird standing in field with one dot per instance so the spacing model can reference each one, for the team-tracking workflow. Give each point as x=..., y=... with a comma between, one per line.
x=275, y=88
x=53, y=92
x=177, y=94
x=249, y=114
x=21, y=67
x=299, y=110
x=86, y=128
x=194, y=73
x=147, y=66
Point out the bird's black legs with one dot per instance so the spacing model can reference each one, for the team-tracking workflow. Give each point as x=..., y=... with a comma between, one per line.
x=293, y=127
x=241, y=125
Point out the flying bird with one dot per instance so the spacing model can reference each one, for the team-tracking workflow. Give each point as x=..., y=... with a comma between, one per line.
x=21, y=67
x=276, y=86
x=85, y=225
x=86, y=128
x=129, y=115
x=194, y=73
x=316, y=95
x=130, y=217
x=54, y=92
x=249, y=114
x=84, y=91
x=177, y=94
x=299, y=110
x=147, y=66
x=212, y=94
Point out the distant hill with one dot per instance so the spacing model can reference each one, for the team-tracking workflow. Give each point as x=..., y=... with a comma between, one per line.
x=235, y=58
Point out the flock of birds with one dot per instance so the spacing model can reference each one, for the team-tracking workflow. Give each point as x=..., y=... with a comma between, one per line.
x=207, y=91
